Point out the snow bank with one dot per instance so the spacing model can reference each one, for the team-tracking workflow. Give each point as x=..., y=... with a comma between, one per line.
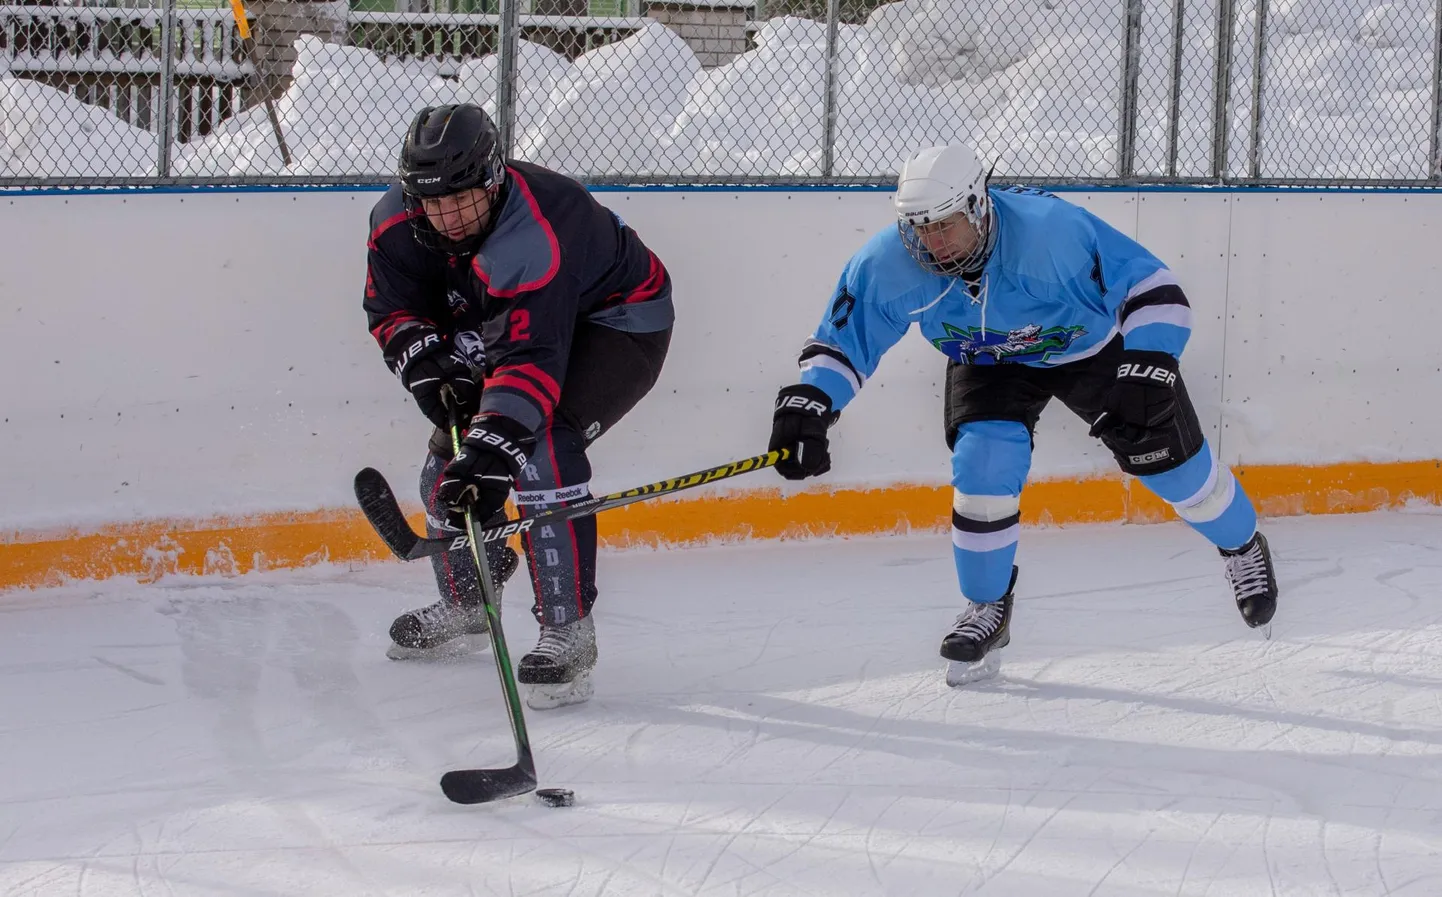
x=48, y=133
x=345, y=113
x=612, y=110
x=762, y=112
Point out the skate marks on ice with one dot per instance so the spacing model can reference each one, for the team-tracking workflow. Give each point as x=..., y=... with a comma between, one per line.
x=751, y=734
x=1140, y=739
x=220, y=723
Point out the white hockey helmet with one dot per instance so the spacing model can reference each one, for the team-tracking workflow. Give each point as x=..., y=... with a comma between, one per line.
x=937, y=184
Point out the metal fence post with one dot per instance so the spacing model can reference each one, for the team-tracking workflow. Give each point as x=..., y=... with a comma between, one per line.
x=1222, y=87
x=1179, y=17
x=165, y=126
x=506, y=89
x=828, y=109
x=1436, y=149
x=1131, y=70
x=1259, y=71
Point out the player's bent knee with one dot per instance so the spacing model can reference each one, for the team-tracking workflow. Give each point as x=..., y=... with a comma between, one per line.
x=1210, y=502
x=991, y=458
x=1151, y=453
x=1182, y=482
x=986, y=508
x=1201, y=489
x=1145, y=453
x=982, y=524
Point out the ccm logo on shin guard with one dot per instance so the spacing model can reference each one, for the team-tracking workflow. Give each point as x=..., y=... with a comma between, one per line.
x=802, y=403
x=1151, y=457
x=1147, y=372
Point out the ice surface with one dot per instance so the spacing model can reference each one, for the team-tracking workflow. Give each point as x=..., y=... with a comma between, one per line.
x=768, y=719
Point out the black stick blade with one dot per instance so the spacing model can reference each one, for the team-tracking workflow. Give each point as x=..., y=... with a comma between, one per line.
x=479, y=786
x=379, y=504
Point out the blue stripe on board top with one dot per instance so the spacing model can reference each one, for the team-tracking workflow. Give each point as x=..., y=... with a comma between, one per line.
x=148, y=190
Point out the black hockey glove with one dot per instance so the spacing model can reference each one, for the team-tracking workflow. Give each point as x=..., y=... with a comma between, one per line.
x=1142, y=400
x=435, y=372
x=803, y=414
x=480, y=476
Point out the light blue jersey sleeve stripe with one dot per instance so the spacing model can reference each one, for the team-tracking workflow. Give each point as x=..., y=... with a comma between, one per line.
x=836, y=386
x=1159, y=337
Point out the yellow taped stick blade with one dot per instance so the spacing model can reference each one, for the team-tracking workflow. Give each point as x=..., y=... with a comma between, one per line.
x=237, y=8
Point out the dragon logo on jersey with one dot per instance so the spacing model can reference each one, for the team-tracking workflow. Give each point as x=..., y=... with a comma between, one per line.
x=1030, y=343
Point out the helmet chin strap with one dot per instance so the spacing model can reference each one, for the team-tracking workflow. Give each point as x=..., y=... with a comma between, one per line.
x=497, y=195
x=988, y=238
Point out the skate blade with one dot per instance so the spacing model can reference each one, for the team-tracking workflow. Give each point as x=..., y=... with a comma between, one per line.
x=457, y=647
x=552, y=695
x=1266, y=630
x=959, y=673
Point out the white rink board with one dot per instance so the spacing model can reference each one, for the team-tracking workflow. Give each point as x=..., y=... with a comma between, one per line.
x=1334, y=320
x=188, y=355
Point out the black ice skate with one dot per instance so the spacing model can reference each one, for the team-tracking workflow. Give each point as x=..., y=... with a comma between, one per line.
x=1254, y=582
x=443, y=629
x=558, y=670
x=974, y=643
x=448, y=628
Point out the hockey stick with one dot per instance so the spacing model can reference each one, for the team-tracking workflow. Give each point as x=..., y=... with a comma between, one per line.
x=379, y=504
x=478, y=786
x=247, y=42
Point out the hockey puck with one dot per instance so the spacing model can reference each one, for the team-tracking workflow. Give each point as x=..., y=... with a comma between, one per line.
x=556, y=797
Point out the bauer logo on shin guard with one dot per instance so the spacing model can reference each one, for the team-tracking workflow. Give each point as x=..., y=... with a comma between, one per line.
x=1134, y=371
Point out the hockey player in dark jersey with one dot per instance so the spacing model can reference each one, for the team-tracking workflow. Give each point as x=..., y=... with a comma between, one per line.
x=1030, y=298
x=506, y=291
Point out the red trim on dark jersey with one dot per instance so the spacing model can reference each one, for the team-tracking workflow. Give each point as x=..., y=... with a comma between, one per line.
x=390, y=223
x=527, y=387
x=651, y=287
x=543, y=379
x=386, y=329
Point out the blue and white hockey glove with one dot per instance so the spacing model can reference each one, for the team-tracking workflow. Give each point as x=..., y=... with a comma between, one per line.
x=1142, y=400
x=803, y=414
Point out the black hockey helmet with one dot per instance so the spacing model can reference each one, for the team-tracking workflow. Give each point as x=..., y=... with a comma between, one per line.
x=449, y=149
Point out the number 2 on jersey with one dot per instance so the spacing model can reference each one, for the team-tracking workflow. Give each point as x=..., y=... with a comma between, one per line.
x=520, y=325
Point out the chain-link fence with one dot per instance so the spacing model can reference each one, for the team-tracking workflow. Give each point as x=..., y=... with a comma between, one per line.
x=728, y=91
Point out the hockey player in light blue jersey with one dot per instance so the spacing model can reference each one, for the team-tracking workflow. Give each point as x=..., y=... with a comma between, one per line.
x=1030, y=298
